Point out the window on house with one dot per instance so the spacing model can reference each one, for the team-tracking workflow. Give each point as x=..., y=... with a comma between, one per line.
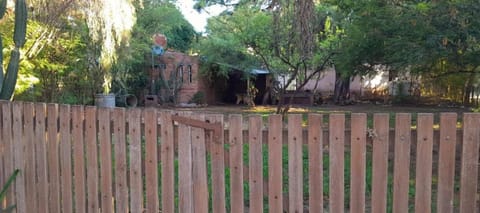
x=190, y=73
x=180, y=73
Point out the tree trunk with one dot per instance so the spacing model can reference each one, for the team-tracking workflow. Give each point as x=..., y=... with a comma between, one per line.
x=342, y=90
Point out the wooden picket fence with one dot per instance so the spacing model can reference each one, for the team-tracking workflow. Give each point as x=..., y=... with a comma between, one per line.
x=88, y=159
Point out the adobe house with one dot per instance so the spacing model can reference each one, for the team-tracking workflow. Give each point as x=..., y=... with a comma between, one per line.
x=174, y=78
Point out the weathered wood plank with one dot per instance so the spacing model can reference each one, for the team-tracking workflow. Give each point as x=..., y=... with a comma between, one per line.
x=65, y=159
x=185, y=182
x=91, y=159
x=358, y=162
x=199, y=173
x=105, y=148
x=255, y=163
x=41, y=157
x=151, y=160
x=337, y=162
x=121, y=188
x=424, y=159
x=167, y=159
x=79, y=181
x=7, y=139
x=19, y=157
x=275, y=174
x=446, y=162
x=217, y=151
x=135, y=148
x=53, y=158
x=469, y=170
x=295, y=164
x=315, y=162
x=401, y=173
x=380, y=135
x=30, y=162
x=236, y=163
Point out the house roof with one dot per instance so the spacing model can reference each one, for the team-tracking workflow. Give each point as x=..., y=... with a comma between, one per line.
x=259, y=72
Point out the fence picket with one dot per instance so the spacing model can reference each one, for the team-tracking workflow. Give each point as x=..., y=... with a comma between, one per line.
x=358, y=161
x=337, y=147
x=446, y=162
x=41, y=157
x=255, y=163
x=135, y=148
x=401, y=167
x=469, y=170
x=275, y=140
x=8, y=148
x=295, y=164
x=65, y=159
x=199, y=172
x=185, y=183
x=167, y=159
x=380, y=135
x=217, y=151
x=105, y=149
x=30, y=168
x=151, y=160
x=423, y=173
x=315, y=162
x=19, y=157
x=53, y=158
x=91, y=158
x=236, y=163
x=78, y=158
x=121, y=190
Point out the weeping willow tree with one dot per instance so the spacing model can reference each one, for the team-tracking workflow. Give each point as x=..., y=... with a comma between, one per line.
x=110, y=23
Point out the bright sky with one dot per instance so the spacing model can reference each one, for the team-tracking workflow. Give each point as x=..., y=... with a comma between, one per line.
x=198, y=20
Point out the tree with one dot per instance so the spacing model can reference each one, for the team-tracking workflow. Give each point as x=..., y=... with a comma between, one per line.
x=433, y=39
x=154, y=17
x=299, y=45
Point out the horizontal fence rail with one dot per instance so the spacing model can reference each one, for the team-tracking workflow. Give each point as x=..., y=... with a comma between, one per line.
x=88, y=159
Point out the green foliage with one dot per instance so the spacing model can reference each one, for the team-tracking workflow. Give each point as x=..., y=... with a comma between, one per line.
x=3, y=192
x=428, y=38
x=198, y=98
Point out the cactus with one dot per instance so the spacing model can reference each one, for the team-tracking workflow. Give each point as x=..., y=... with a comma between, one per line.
x=8, y=82
x=3, y=8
